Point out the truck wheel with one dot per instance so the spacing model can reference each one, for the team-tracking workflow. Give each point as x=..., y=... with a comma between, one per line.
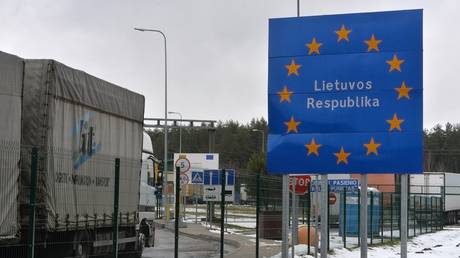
x=82, y=247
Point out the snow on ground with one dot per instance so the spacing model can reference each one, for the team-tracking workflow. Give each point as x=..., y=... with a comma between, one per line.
x=442, y=244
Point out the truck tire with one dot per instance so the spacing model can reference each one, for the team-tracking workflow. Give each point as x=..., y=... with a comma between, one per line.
x=82, y=245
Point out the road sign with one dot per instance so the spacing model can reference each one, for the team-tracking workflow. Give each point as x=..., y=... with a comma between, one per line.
x=197, y=177
x=299, y=183
x=183, y=179
x=336, y=185
x=183, y=164
x=345, y=94
x=212, y=185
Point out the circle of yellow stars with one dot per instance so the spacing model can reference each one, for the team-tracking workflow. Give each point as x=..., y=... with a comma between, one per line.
x=373, y=43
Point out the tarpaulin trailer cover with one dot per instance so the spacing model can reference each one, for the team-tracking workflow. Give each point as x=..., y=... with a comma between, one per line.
x=80, y=124
x=11, y=70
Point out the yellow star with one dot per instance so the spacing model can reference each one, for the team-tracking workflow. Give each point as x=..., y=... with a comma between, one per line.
x=313, y=147
x=292, y=68
x=373, y=43
x=403, y=91
x=292, y=125
x=342, y=156
x=285, y=94
x=314, y=47
x=342, y=34
x=372, y=147
x=395, y=63
x=395, y=123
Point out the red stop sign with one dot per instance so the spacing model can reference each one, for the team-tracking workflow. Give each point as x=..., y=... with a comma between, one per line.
x=299, y=183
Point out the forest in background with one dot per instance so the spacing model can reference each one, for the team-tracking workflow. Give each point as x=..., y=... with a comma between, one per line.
x=240, y=146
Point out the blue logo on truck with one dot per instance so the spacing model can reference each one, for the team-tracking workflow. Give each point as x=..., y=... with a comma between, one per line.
x=85, y=141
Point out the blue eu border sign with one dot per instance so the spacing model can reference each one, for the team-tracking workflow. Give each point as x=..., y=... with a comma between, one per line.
x=345, y=94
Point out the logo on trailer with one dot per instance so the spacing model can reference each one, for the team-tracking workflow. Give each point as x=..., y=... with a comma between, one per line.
x=84, y=140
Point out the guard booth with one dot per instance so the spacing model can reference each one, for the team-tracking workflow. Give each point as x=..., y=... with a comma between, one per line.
x=349, y=212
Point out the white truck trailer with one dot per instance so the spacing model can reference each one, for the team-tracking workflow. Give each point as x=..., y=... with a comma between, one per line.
x=79, y=124
x=442, y=184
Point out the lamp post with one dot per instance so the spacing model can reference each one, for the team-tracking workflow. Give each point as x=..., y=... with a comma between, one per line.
x=165, y=182
x=180, y=129
x=263, y=138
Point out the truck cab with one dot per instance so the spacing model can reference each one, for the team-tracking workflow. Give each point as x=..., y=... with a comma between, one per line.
x=147, y=190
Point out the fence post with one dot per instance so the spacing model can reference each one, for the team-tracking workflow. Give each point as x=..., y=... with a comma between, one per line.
x=359, y=219
x=425, y=215
x=381, y=216
x=328, y=218
x=399, y=213
x=176, y=214
x=308, y=216
x=304, y=207
x=431, y=214
x=415, y=217
x=222, y=212
x=115, y=208
x=391, y=217
x=32, y=204
x=420, y=210
x=443, y=196
x=372, y=217
x=439, y=213
x=344, y=223
x=257, y=213
x=196, y=209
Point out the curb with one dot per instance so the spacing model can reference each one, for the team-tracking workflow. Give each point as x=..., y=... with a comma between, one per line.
x=233, y=243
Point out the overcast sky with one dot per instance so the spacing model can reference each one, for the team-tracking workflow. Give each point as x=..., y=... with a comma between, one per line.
x=217, y=50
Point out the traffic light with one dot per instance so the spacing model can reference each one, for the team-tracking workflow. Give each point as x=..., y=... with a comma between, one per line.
x=159, y=182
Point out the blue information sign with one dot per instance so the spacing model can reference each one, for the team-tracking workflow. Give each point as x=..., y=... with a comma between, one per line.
x=197, y=177
x=212, y=177
x=336, y=185
x=345, y=94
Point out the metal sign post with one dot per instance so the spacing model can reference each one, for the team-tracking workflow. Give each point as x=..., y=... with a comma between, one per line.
x=363, y=216
x=177, y=213
x=222, y=212
x=284, y=229
x=316, y=220
x=324, y=215
x=294, y=223
x=404, y=183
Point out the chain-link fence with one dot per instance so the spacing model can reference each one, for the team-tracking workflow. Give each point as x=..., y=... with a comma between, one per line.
x=256, y=213
x=56, y=203
x=59, y=204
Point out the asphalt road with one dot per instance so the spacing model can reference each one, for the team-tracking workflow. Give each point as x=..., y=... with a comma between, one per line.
x=188, y=247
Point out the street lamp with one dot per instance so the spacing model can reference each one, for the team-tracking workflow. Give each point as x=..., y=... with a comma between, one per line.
x=263, y=138
x=165, y=182
x=180, y=129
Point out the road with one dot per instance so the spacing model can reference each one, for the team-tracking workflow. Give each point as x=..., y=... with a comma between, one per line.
x=188, y=247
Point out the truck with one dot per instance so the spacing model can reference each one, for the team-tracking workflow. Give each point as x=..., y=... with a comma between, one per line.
x=148, y=201
x=440, y=184
x=78, y=129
